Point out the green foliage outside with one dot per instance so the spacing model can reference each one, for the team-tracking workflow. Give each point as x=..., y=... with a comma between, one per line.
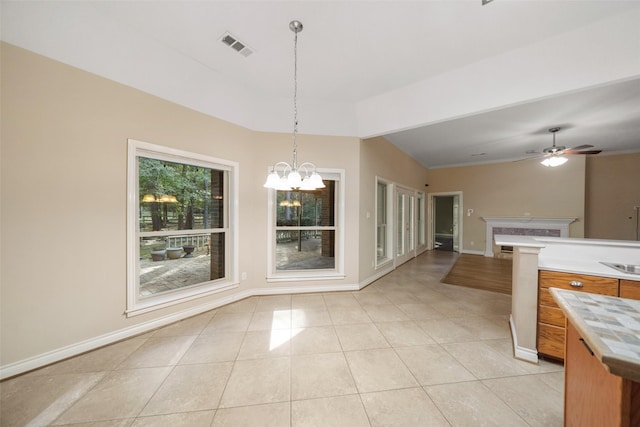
x=191, y=186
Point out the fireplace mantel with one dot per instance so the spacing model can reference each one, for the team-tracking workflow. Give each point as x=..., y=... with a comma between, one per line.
x=525, y=226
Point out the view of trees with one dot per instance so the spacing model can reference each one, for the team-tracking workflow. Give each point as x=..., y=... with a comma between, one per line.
x=298, y=208
x=176, y=196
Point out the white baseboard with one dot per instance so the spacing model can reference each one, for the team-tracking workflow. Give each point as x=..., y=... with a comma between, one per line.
x=526, y=354
x=75, y=349
x=378, y=275
x=522, y=353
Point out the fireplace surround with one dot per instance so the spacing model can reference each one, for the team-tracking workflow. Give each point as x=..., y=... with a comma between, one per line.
x=524, y=226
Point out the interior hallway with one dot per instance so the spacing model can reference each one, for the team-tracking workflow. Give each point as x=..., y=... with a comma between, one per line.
x=407, y=350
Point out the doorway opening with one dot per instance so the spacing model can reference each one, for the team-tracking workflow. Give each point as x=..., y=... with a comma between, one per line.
x=446, y=222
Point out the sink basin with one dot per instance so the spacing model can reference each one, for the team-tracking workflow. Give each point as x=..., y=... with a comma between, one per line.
x=625, y=268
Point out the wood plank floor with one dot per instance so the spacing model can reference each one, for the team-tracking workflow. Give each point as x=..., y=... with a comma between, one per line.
x=480, y=272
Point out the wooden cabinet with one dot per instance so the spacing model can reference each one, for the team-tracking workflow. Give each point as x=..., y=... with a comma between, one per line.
x=630, y=289
x=551, y=320
x=593, y=396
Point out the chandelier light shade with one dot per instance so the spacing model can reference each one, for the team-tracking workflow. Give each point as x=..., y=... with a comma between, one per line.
x=285, y=176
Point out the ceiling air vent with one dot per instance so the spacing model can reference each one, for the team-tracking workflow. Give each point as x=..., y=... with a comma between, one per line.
x=235, y=44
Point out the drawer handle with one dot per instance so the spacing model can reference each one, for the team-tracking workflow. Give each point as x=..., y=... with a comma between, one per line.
x=575, y=284
x=586, y=346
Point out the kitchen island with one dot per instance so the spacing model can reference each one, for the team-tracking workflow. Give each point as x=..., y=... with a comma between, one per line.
x=565, y=255
x=602, y=364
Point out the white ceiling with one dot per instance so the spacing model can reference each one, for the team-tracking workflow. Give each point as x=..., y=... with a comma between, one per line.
x=351, y=53
x=607, y=118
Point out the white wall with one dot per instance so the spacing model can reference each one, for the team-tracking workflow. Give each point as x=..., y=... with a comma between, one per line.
x=600, y=53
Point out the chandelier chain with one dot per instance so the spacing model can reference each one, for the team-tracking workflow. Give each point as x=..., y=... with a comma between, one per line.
x=304, y=176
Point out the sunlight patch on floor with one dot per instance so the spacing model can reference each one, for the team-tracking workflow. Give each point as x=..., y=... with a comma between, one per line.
x=280, y=336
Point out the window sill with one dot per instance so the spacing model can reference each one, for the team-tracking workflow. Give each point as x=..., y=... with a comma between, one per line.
x=162, y=301
x=299, y=278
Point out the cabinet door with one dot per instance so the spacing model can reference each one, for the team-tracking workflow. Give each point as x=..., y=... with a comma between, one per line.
x=593, y=396
x=630, y=289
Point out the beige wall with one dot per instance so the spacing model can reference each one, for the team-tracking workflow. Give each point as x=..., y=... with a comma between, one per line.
x=378, y=157
x=613, y=190
x=63, y=213
x=524, y=188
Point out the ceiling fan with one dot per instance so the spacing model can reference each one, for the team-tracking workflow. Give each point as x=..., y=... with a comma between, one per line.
x=554, y=155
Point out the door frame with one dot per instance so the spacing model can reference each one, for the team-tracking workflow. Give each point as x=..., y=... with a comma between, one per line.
x=432, y=223
x=408, y=253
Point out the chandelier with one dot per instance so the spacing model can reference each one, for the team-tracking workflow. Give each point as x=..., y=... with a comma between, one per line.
x=285, y=176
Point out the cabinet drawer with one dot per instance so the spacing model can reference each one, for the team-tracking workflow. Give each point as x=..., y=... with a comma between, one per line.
x=629, y=289
x=551, y=340
x=592, y=284
x=551, y=316
x=546, y=298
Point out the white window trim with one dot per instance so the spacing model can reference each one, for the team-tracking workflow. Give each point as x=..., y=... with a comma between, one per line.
x=137, y=305
x=292, y=276
x=384, y=262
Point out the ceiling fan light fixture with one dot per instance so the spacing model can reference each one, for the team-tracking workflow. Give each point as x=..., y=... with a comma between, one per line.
x=554, y=161
x=555, y=155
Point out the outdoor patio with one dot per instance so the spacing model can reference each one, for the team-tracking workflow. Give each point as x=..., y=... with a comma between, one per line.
x=169, y=274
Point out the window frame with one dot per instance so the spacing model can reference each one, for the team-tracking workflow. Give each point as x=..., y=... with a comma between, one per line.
x=274, y=275
x=136, y=304
x=389, y=226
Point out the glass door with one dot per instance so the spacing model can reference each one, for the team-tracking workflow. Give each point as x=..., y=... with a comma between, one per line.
x=405, y=225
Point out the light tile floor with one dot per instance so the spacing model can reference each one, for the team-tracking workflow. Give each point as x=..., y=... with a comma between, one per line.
x=407, y=350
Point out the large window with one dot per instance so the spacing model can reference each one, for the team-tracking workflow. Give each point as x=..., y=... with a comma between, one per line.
x=180, y=235
x=305, y=231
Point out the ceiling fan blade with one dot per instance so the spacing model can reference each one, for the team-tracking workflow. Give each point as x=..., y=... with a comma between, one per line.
x=582, y=152
x=580, y=147
x=539, y=156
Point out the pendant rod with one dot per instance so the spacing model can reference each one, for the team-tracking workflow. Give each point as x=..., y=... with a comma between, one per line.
x=296, y=27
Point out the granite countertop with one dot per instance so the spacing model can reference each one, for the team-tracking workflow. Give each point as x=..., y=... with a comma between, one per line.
x=609, y=325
